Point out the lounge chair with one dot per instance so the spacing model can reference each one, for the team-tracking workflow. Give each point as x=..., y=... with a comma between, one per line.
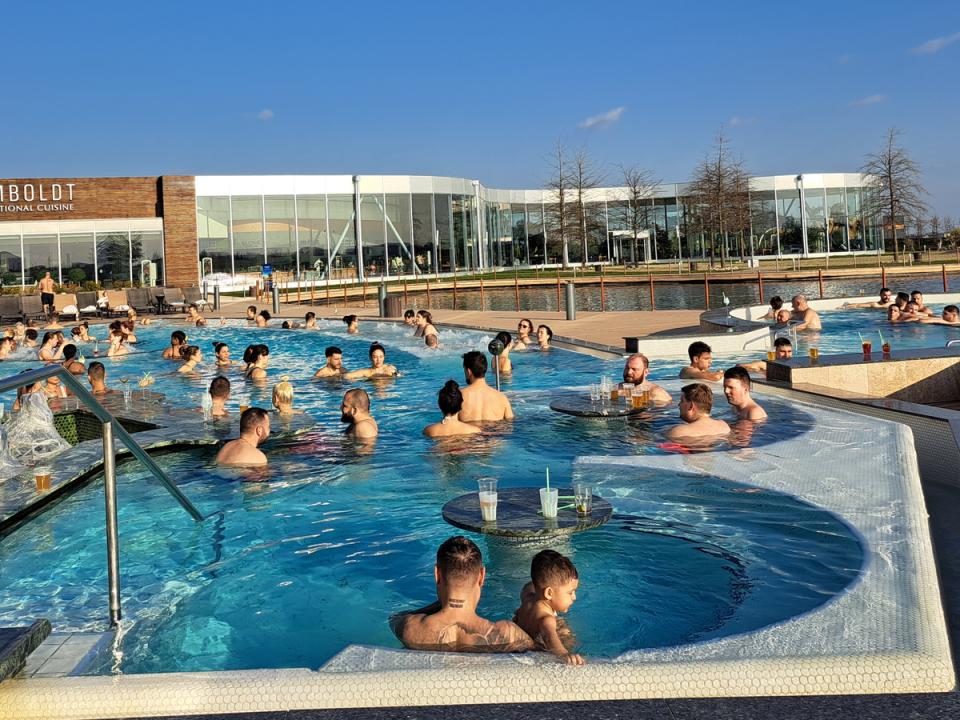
x=9, y=309
x=173, y=298
x=193, y=296
x=87, y=302
x=116, y=302
x=141, y=300
x=31, y=307
x=66, y=304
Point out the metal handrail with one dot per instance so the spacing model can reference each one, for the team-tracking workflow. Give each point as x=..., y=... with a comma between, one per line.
x=110, y=427
x=951, y=343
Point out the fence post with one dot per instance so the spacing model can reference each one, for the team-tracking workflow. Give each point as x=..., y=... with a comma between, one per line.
x=706, y=288
x=571, y=301
x=820, y=277
x=405, y=303
x=943, y=269
x=760, y=282
x=454, y=289
x=883, y=276
x=428, y=293
x=603, y=297
x=653, y=302
x=481, y=294
x=559, y=303
x=516, y=290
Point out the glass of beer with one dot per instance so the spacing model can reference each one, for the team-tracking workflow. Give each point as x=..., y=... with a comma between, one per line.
x=43, y=478
x=488, y=499
x=814, y=355
x=771, y=354
x=627, y=391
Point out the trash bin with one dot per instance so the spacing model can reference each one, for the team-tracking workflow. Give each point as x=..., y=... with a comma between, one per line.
x=917, y=257
x=392, y=307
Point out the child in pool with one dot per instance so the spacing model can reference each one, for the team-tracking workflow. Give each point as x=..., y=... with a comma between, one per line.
x=552, y=591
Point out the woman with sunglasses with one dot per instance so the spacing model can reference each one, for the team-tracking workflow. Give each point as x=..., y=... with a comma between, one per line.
x=524, y=328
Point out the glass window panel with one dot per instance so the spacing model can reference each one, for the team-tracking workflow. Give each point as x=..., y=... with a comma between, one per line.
x=147, y=249
x=535, y=237
x=399, y=234
x=470, y=252
x=504, y=236
x=113, y=257
x=553, y=232
x=518, y=228
x=76, y=253
x=836, y=220
x=312, y=224
x=816, y=223
x=281, y=232
x=791, y=230
x=764, y=222
x=343, y=241
x=248, y=254
x=855, y=227
x=40, y=255
x=424, y=240
x=596, y=220
x=213, y=233
x=459, y=229
x=374, y=251
x=11, y=260
x=444, y=220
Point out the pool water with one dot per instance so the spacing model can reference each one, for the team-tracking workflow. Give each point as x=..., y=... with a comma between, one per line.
x=315, y=552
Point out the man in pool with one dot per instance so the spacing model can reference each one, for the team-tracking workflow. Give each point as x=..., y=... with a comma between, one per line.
x=696, y=402
x=636, y=371
x=917, y=297
x=782, y=350
x=480, y=401
x=219, y=393
x=451, y=624
x=334, y=366
x=355, y=409
x=432, y=342
x=886, y=298
x=254, y=429
x=97, y=376
x=802, y=311
x=701, y=358
x=949, y=316
x=736, y=388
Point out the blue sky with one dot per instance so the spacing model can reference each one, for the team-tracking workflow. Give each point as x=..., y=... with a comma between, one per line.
x=476, y=90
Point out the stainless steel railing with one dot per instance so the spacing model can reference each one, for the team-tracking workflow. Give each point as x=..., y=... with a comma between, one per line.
x=110, y=428
x=951, y=343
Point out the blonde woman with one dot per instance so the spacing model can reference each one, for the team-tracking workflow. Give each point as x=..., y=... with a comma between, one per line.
x=283, y=397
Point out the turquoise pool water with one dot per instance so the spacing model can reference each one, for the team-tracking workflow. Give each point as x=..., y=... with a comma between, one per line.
x=317, y=551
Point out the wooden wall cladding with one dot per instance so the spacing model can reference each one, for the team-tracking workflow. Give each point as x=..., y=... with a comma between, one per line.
x=26, y=199
x=180, y=246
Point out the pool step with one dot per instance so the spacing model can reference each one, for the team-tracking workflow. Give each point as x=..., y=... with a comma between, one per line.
x=63, y=654
x=17, y=643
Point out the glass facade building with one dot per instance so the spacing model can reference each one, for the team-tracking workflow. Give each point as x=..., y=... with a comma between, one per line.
x=343, y=226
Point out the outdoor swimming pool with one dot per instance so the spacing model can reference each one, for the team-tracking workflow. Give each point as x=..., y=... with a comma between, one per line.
x=317, y=551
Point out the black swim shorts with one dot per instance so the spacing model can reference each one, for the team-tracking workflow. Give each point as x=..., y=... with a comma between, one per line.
x=46, y=299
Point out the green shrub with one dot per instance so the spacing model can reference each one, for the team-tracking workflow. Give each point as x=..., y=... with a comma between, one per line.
x=90, y=286
x=9, y=278
x=77, y=275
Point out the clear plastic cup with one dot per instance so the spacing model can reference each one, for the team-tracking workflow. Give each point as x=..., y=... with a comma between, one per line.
x=548, y=502
x=488, y=499
x=583, y=499
x=626, y=390
x=43, y=478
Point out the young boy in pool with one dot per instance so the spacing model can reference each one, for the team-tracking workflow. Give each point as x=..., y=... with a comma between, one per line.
x=553, y=590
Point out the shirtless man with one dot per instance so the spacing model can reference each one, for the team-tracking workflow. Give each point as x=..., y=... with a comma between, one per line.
x=701, y=358
x=97, y=375
x=193, y=316
x=219, y=393
x=355, y=409
x=45, y=285
x=254, y=429
x=480, y=401
x=949, y=316
x=334, y=366
x=803, y=311
x=736, y=387
x=917, y=297
x=782, y=350
x=886, y=298
x=696, y=401
x=451, y=624
x=636, y=371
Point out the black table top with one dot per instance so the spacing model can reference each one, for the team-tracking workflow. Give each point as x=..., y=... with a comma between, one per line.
x=518, y=517
x=583, y=406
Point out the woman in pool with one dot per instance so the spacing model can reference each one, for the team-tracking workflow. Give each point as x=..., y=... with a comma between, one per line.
x=49, y=350
x=81, y=333
x=410, y=318
x=776, y=302
x=504, y=359
x=70, y=361
x=19, y=331
x=283, y=397
x=377, y=368
x=352, y=322
x=192, y=357
x=125, y=330
x=425, y=324
x=544, y=336
x=256, y=357
x=30, y=338
x=524, y=328
x=117, y=347
x=26, y=390
x=262, y=318
x=450, y=400
x=177, y=338
x=222, y=351
x=53, y=389
x=132, y=317
x=6, y=347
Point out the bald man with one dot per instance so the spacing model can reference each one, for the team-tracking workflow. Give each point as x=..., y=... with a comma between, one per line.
x=636, y=371
x=355, y=409
x=802, y=311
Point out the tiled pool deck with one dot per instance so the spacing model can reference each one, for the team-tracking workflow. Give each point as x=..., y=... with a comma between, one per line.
x=885, y=634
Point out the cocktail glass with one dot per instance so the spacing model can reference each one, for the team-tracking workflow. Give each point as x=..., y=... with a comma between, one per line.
x=583, y=499
x=867, y=348
x=886, y=348
x=488, y=499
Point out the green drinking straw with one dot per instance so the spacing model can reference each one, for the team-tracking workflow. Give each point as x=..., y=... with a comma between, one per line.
x=548, y=479
x=861, y=338
x=881, y=337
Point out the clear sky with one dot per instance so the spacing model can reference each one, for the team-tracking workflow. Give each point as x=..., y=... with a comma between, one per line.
x=475, y=90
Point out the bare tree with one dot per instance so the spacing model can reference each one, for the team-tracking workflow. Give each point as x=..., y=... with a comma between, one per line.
x=714, y=186
x=638, y=188
x=897, y=191
x=919, y=232
x=741, y=209
x=586, y=174
x=935, y=230
x=557, y=215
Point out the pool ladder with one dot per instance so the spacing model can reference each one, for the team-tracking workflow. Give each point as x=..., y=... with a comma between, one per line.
x=110, y=427
x=951, y=343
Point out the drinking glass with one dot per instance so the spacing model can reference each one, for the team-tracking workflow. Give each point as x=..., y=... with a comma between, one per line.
x=867, y=347
x=814, y=355
x=548, y=502
x=771, y=354
x=488, y=499
x=626, y=390
x=583, y=499
x=43, y=478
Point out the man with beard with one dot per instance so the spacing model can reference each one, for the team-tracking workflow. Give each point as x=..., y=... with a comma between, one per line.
x=355, y=409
